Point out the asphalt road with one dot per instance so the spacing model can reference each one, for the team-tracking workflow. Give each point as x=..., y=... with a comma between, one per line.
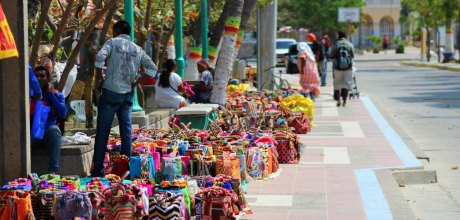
x=425, y=104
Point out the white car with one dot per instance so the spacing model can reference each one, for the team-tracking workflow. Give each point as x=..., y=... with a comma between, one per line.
x=282, y=48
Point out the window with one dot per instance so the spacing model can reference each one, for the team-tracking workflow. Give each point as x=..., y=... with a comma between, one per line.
x=386, y=28
x=283, y=44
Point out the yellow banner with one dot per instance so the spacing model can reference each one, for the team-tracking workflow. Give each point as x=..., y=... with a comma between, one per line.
x=7, y=44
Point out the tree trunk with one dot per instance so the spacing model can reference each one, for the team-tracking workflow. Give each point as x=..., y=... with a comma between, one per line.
x=217, y=33
x=428, y=56
x=449, y=51
x=84, y=37
x=60, y=30
x=165, y=44
x=68, y=45
x=248, y=8
x=38, y=32
x=105, y=28
x=224, y=64
x=91, y=51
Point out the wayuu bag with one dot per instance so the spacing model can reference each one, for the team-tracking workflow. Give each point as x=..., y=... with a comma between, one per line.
x=18, y=206
x=118, y=203
x=166, y=206
x=216, y=203
x=301, y=124
x=254, y=163
x=228, y=165
x=172, y=166
x=202, y=166
x=286, y=151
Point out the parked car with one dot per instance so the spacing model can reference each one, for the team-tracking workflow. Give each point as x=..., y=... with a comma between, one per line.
x=282, y=47
x=291, y=58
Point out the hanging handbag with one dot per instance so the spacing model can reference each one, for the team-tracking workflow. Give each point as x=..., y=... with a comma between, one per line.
x=39, y=120
x=73, y=204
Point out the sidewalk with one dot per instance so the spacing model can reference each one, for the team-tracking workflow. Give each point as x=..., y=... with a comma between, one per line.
x=335, y=178
x=434, y=64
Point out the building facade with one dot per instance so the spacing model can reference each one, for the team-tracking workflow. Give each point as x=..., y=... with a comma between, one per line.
x=381, y=18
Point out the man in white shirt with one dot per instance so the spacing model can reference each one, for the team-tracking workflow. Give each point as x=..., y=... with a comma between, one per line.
x=123, y=60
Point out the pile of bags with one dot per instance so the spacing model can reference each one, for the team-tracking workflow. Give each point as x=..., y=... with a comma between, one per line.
x=177, y=173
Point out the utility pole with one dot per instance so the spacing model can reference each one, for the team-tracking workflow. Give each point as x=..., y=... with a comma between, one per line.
x=259, y=52
x=14, y=98
x=204, y=30
x=268, y=42
x=178, y=41
x=129, y=17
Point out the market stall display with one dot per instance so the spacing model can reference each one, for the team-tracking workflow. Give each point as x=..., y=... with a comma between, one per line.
x=198, y=167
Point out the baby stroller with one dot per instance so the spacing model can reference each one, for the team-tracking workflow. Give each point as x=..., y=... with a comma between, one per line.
x=354, y=93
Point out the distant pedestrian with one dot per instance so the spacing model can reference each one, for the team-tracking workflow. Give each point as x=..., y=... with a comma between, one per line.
x=385, y=43
x=342, y=53
x=318, y=51
x=327, y=45
x=309, y=78
x=123, y=60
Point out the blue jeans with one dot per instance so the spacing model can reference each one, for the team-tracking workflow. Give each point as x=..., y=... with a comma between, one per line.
x=322, y=70
x=109, y=104
x=51, y=140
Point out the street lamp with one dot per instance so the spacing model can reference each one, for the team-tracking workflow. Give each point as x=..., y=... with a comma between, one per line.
x=178, y=41
x=129, y=17
x=204, y=30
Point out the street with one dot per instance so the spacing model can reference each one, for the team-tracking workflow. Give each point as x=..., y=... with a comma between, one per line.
x=420, y=105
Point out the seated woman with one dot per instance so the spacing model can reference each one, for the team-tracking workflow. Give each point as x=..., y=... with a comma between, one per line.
x=169, y=89
x=204, y=88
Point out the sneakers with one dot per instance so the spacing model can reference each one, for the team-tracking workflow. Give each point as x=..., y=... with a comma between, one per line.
x=52, y=172
x=344, y=104
x=338, y=103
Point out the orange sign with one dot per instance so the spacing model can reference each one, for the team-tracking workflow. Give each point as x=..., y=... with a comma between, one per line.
x=7, y=44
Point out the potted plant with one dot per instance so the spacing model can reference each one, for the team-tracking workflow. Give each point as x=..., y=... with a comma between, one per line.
x=401, y=45
x=377, y=41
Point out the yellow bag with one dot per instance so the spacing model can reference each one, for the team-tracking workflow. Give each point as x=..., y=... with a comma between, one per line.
x=299, y=103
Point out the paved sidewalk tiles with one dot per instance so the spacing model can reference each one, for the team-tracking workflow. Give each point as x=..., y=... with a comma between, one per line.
x=335, y=177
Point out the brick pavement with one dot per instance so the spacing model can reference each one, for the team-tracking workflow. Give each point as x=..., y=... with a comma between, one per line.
x=324, y=184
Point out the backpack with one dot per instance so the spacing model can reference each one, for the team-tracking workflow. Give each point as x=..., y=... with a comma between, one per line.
x=343, y=57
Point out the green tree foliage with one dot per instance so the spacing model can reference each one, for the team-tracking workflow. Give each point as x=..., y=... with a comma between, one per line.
x=314, y=14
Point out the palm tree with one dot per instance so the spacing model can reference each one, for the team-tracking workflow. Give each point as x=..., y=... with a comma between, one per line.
x=224, y=64
x=217, y=33
x=248, y=8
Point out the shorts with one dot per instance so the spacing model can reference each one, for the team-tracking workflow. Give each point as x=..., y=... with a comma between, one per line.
x=343, y=79
x=385, y=46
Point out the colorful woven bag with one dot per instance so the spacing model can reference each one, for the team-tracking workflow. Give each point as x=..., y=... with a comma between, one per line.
x=228, y=165
x=301, y=124
x=254, y=163
x=286, y=151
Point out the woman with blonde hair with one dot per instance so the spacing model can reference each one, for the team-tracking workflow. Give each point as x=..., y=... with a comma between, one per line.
x=309, y=78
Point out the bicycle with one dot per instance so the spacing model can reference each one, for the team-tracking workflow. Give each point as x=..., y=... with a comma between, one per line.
x=282, y=85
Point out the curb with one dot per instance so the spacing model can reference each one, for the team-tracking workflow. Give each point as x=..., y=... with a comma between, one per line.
x=431, y=65
x=383, y=60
